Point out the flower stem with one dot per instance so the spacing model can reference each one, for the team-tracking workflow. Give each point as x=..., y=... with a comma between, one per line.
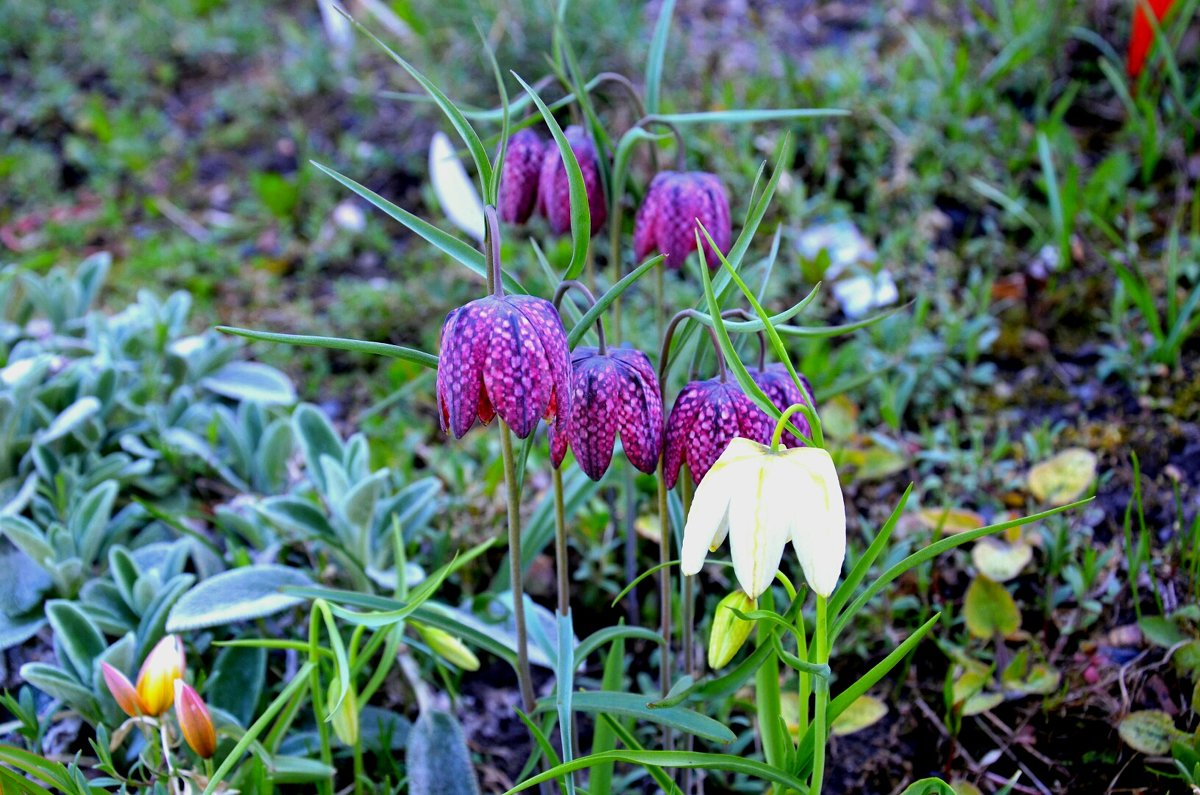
x=359, y=773
x=569, y=284
x=491, y=250
x=821, y=689
x=664, y=356
x=664, y=591
x=524, y=677
x=560, y=545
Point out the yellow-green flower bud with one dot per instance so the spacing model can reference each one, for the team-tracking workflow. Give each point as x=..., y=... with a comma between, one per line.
x=448, y=647
x=345, y=716
x=728, y=631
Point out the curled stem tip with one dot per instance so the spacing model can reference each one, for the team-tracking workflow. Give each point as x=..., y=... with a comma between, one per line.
x=664, y=355
x=680, y=146
x=569, y=284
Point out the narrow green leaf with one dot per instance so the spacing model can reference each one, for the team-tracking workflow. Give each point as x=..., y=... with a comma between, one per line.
x=299, y=682
x=673, y=759
x=453, y=114
x=581, y=214
x=932, y=551
x=633, y=705
x=631, y=742
x=592, y=643
x=868, y=558
x=744, y=116
x=564, y=679
x=657, y=56
x=610, y=295
x=604, y=736
x=464, y=253
x=337, y=343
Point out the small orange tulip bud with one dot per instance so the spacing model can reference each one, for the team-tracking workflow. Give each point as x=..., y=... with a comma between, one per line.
x=156, y=680
x=195, y=721
x=123, y=691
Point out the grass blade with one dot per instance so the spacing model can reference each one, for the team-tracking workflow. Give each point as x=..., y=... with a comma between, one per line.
x=337, y=343
x=657, y=56
x=581, y=214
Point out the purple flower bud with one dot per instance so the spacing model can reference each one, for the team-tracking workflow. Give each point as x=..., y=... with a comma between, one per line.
x=507, y=356
x=519, y=177
x=554, y=193
x=777, y=383
x=616, y=391
x=666, y=221
x=706, y=416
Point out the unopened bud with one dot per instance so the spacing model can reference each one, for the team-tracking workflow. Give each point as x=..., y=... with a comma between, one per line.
x=123, y=691
x=448, y=647
x=345, y=715
x=195, y=721
x=728, y=631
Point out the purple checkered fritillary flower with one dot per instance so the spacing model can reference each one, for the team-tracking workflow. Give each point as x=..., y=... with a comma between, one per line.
x=776, y=382
x=506, y=356
x=614, y=392
x=666, y=221
x=519, y=177
x=705, y=417
x=554, y=193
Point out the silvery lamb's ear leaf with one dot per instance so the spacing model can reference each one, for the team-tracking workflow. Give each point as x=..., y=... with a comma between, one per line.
x=237, y=680
x=58, y=684
x=23, y=583
x=78, y=635
x=237, y=595
x=89, y=520
x=358, y=506
x=15, y=630
x=299, y=517
x=438, y=759
x=357, y=457
x=90, y=277
x=70, y=419
x=154, y=620
x=317, y=437
x=411, y=508
x=252, y=381
x=124, y=572
x=270, y=460
x=68, y=575
x=337, y=482
x=26, y=536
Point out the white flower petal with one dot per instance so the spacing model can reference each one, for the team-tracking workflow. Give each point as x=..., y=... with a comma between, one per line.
x=759, y=523
x=454, y=189
x=818, y=522
x=707, y=523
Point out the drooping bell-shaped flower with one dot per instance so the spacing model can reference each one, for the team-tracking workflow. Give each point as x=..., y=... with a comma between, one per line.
x=519, y=177
x=195, y=721
x=614, y=392
x=505, y=356
x=156, y=679
x=554, y=192
x=666, y=221
x=706, y=416
x=761, y=499
x=776, y=383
